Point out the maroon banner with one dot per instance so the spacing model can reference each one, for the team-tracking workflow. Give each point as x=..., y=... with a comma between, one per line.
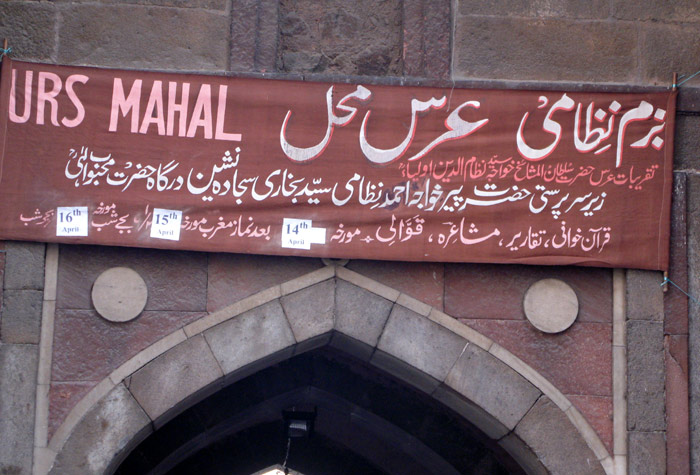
x=210, y=163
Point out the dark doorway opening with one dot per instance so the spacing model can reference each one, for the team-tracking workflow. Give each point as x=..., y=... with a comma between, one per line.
x=367, y=422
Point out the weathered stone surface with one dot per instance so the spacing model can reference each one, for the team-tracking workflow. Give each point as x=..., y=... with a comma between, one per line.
x=522, y=454
x=250, y=336
x=578, y=361
x=426, y=38
x=677, y=410
x=104, y=431
x=361, y=37
x=475, y=414
x=675, y=301
x=421, y=280
x=205, y=4
x=420, y=342
x=492, y=385
x=176, y=281
x=694, y=314
x=29, y=28
x=645, y=297
x=686, y=148
x=24, y=265
x=18, y=366
x=537, y=8
x=676, y=11
x=360, y=314
x=310, y=311
x=143, y=37
x=530, y=49
x=647, y=453
x=555, y=440
x=174, y=375
x=667, y=48
x=236, y=276
x=598, y=411
x=62, y=398
x=505, y=285
x=87, y=347
x=21, y=316
x=645, y=376
x=253, y=35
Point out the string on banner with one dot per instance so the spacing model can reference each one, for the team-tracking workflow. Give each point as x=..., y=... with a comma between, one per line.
x=679, y=84
x=669, y=281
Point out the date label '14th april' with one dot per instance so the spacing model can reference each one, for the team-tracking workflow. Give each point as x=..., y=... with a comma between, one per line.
x=299, y=234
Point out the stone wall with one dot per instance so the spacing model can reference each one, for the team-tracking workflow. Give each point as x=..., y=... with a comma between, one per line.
x=537, y=43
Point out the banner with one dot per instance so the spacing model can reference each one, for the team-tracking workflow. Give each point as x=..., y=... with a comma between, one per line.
x=175, y=161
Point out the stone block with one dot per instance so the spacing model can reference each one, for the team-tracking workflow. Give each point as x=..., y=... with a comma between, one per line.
x=675, y=301
x=666, y=48
x=677, y=409
x=143, y=37
x=645, y=376
x=360, y=314
x=310, y=311
x=404, y=371
x=489, y=47
x=694, y=313
x=420, y=342
x=88, y=348
x=253, y=35
x=21, y=316
x=62, y=398
x=361, y=37
x=578, y=361
x=421, y=280
x=176, y=281
x=24, y=265
x=250, y=336
x=102, y=434
x=645, y=297
x=174, y=376
x=676, y=11
x=646, y=453
x=203, y=4
x=537, y=9
x=426, y=38
x=523, y=455
x=557, y=443
x=233, y=277
x=29, y=28
x=471, y=412
x=18, y=367
x=491, y=385
x=686, y=149
x=598, y=411
x=466, y=284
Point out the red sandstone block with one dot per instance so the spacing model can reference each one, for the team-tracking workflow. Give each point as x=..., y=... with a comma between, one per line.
x=598, y=411
x=577, y=361
x=88, y=348
x=496, y=291
x=233, y=277
x=62, y=398
x=421, y=280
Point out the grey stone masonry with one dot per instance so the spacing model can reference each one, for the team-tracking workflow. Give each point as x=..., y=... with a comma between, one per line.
x=21, y=316
x=694, y=318
x=18, y=370
x=24, y=265
x=647, y=453
x=645, y=376
x=645, y=299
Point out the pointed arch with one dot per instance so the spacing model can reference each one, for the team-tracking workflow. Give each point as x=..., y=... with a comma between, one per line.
x=426, y=348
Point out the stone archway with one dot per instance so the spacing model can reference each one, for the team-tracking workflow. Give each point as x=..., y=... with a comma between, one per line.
x=425, y=348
